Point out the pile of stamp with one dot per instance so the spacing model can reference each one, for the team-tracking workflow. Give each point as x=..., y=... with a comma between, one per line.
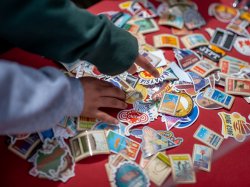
x=202, y=76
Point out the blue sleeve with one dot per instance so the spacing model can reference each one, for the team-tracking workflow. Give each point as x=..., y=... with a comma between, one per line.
x=34, y=100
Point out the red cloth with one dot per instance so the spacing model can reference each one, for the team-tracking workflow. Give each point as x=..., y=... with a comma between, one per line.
x=230, y=166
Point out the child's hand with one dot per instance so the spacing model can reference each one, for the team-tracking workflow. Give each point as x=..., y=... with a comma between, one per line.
x=97, y=94
x=145, y=64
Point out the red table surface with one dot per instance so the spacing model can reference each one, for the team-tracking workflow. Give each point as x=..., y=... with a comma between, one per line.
x=231, y=162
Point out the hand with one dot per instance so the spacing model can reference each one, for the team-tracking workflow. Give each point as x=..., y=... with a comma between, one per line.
x=97, y=94
x=145, y=64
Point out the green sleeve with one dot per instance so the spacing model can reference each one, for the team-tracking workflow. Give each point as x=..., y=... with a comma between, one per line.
x=59, y=30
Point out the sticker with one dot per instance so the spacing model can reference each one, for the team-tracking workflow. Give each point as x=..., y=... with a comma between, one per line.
x=193, y=19
x=206, y=103
x=166, y=87
x=208, y=137
x=238, y=29
x=24, y=147
x=85, y=123
x=120, y=19
x=134, y=8
x=185, y=105
x=73, y=65
x=89, y=143
x=234, y=60
x=219, y=97
x=68, y=131
x=153, y=142
x=237, y=86
x=118, y=143
x=193, y=116
x=122, y=84
x=133, y=117
x=53, y=161
x=162, y=9
x=140, y=88
x=136, y=133
x=198, y=81
x=170, y=135
x=133, y=96
x=242, y=45
x=194, y=40
x=125, y=5
x=223, y=39
x=188, y=88
x=148, y=48
x=116, y=160
x=147, y=107
x=229, y=67
x=209, y=53
x=234, y=125
x=169, y=103
x=46, y=134
x=171, y=121
x=202, y=157
x=158, y=168
x=134, y=29
x=186, y=58
x=222, y=12
x=182, y=75
x=14, y=138
x=172, y=17
x=146, y=25
x=148, y=10
x=182, y=168
x=130, y=174
x=63, y=122
x=166, y=40
x=203, y=68
x=165, y=74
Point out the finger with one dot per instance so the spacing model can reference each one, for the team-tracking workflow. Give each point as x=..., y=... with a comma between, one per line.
x=106, y=117
x=132, y=69
x=113, y=91
x=112, y=103
x=145, y=64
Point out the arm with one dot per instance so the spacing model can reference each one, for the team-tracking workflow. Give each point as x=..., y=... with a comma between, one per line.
x=61, y=31
x=34, y=100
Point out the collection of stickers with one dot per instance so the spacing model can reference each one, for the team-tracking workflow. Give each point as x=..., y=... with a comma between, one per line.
x=175, y=97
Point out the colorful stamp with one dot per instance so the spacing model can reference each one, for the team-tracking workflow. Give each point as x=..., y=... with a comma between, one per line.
x=194, y=40
x=219, y=97
x=182, y=168
x=166, y=40
x=118, y=143
x=202, y=157
x=89, y=143
x=169, y=103
x=208, y=137
x=237, y=86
